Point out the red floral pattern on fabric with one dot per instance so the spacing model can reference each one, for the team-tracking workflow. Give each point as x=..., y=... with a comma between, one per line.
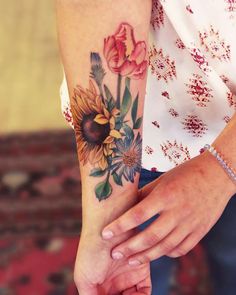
x=194, y=126
x=166, y=94
x=198, y=90
x=161, y=66
x=189, y=9
x=68, y=115
x=224, y=79
x=226, y=119
x=149, y=150
x=175, y=152
x=156, y=124
x=215, y=44
x=179, y=43
x=231, y=7
x=200, y=59
x=173, y=112
x=231, y=99
x=157, y=17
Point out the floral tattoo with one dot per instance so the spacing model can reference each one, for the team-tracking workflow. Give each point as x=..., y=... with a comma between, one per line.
x=106, y=139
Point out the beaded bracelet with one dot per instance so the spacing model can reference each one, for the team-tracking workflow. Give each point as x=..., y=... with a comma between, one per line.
x=231, y=173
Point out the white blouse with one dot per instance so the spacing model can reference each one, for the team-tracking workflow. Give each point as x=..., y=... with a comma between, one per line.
x=191, y=85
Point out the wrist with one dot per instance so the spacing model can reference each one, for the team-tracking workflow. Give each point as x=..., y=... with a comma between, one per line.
x=97, y=215
x=91, y=240
x=217, y=175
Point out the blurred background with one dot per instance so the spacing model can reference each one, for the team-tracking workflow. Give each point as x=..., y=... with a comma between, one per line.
x=39, y=180
x=30, y=67
x=40, y=208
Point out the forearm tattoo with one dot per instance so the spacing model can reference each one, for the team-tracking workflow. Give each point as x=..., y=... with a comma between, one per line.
x=106, y=123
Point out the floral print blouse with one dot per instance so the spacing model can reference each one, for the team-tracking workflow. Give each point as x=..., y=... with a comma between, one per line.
x=191, y=85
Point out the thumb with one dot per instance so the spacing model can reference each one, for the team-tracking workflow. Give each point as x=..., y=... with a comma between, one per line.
x=148, y=188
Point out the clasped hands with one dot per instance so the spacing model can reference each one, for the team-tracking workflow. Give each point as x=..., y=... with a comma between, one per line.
x=189, y=200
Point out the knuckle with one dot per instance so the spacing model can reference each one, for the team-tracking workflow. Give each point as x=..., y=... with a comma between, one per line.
x=187, y=209
x=138, y=215
x=151, y=239
x=168, y=192
x=118, y=226
x=180, y=252
x=167, y=246
x=127, y=251
x=170, y=188
x=145, y=258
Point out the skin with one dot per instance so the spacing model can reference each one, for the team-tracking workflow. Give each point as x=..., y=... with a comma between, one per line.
x=200, y=189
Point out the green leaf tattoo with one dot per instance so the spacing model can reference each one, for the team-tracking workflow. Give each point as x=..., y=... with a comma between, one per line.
x=96, y=172
x=117, y=179
x=126, y=102
x=138, y=123
x=127, y=83
x=134, y=110
x=103, y=190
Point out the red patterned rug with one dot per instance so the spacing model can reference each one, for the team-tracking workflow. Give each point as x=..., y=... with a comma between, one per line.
x=40, y=219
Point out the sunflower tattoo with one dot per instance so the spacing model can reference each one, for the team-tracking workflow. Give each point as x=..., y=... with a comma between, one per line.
x=105, y=138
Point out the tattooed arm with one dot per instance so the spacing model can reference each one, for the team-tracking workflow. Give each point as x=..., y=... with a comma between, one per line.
x=104, y=52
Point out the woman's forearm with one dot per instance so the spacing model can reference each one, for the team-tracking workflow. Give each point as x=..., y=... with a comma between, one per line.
x=104, y=52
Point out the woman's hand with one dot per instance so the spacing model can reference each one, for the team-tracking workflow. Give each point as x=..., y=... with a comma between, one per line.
x=97, y=274
x=189, y=198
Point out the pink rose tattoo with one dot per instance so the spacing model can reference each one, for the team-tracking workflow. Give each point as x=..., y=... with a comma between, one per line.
x=124, y=55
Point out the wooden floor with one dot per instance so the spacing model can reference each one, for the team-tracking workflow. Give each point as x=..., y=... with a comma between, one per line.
x=30, y=70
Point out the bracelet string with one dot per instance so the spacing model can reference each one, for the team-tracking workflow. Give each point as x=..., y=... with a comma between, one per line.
x=229, y=170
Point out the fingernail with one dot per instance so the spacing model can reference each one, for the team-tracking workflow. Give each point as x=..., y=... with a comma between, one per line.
x=107, y=234
x=134, y=262
x=117, y=255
